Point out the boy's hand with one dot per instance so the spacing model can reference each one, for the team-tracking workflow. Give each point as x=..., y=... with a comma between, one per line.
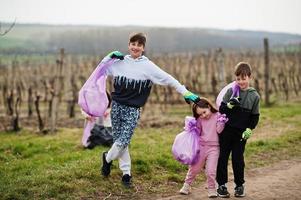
x=189, y=96
x=116, y=54
x=247, y=134
x=87, y=116
x=106, y=113
x=234, y=101
x=91, y=118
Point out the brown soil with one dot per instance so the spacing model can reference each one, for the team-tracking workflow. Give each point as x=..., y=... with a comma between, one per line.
x=281, y=180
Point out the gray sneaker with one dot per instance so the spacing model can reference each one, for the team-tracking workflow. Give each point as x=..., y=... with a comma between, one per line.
x=239, y=191
x=222, y=191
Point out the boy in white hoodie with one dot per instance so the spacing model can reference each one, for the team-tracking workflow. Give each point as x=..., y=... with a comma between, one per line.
x=133, y=76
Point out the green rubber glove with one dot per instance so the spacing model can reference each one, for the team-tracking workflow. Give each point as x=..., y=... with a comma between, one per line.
x=190, y=97
x=116, y=54
x=234, y=101
x=246, y=134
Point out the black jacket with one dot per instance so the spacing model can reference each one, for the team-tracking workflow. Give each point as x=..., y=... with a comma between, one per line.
x=247, y=114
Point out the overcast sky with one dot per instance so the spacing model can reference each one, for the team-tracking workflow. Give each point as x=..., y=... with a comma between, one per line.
x=266, y=15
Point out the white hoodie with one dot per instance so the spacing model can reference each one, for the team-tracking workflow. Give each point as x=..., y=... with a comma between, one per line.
x=133, y=79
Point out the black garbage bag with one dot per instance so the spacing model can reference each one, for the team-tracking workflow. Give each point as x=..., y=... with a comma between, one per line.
x=100, y=135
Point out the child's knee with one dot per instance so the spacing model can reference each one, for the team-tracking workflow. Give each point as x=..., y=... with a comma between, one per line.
x=211, y=173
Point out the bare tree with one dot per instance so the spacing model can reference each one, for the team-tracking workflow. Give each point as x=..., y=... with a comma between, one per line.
x=2, y=33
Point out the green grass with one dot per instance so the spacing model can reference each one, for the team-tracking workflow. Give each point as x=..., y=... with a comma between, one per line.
x=280, y=112
x=262, y=152
x=55, y=166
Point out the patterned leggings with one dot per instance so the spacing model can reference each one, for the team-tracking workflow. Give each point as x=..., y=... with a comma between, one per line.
x=124, y=120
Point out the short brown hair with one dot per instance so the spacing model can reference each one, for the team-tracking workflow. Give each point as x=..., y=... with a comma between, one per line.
x=243, y=69
x=203, y=103
x=138, y=37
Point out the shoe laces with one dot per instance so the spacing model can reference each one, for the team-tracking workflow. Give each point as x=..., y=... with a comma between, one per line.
x=223, y=188
x=186, y=187
x=239, y=188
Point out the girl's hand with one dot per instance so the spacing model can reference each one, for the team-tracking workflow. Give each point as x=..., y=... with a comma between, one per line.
x=222, y=118
x=221, y=121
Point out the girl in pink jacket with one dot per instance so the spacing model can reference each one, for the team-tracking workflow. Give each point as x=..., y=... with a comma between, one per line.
x=211, y=123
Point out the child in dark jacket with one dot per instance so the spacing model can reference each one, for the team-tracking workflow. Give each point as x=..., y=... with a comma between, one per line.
x=243, y=114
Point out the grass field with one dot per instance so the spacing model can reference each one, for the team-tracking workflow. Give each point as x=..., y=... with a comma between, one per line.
x=56, y=166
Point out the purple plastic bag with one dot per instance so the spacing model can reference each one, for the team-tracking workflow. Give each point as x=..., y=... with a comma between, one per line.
x=87, y=132
x=186, y=148
x=235, y=92
x=92, y=97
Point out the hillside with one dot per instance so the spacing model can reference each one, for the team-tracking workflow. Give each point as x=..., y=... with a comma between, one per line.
x=99, y=39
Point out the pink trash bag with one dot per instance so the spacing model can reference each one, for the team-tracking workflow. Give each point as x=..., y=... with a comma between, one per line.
x=87, y=132
x=235, y=92
x=92, y=97
x=186, y=148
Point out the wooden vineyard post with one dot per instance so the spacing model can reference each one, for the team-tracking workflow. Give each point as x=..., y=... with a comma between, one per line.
x=70, y=91
x=266, y=71
x=37, y=106
x=56, y=91
x=221, y=67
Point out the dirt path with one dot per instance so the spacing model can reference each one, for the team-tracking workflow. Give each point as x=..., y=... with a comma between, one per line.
x=278, y=181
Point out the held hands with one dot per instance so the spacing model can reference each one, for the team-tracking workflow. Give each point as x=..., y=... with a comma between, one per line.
x=190, y=97
x=221, y=121
x=246, y=134
x=222, y=118
x=233, y=102
x=116, y=54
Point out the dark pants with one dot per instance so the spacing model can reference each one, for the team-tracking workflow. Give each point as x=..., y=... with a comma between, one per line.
x=230, y=142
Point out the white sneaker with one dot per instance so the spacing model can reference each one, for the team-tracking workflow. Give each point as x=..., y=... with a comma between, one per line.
x=212, y=193
x=185, y=189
